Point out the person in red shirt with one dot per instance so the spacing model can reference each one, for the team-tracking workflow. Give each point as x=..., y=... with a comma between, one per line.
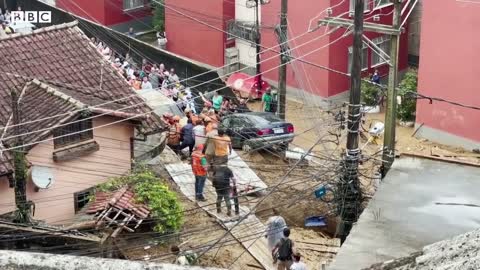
x=199, y=168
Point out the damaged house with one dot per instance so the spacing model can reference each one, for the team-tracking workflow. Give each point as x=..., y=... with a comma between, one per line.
x=78, y=120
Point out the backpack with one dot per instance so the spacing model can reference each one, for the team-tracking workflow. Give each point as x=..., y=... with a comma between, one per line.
x=285, y=249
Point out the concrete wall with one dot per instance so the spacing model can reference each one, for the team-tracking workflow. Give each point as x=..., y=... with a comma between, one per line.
x=56, y=204
x=194, y=40
x=15, y=260
x=449, y=69
x=247, y=53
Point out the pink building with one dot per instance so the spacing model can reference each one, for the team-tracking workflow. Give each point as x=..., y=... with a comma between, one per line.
x=449, y=68
x=78, y=125
x=116, y=14
x=208, y=45
x=194, y=40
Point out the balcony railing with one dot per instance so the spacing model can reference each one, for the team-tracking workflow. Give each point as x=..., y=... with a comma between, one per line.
x=244, y=30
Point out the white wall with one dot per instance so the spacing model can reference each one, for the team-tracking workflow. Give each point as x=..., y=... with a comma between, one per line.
x=247, y=53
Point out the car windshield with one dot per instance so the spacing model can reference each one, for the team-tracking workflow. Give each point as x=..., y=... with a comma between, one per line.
x=264, y=119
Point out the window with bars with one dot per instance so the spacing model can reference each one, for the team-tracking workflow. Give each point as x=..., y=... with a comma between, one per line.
x=132, y=4
x=364, y=58
x=242, y=30
x=366, y=6
x=73, y=133
x=82, y=198
x=383, y=43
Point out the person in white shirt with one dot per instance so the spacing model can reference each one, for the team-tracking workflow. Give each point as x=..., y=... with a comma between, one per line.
x=297, y=264
x=146, y=84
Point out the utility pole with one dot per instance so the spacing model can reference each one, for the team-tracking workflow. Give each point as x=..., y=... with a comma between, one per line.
x=391, y=112
x=20, y=177
x=349, y=186
x=349, y=194
x=282, y=71
x=258, y=40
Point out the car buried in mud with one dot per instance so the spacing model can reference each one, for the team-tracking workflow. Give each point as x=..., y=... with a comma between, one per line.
x=253, y=131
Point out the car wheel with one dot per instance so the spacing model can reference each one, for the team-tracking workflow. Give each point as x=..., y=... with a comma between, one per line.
x=246, y=147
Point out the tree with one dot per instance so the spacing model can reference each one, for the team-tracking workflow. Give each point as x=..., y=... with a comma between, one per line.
x=407, y=91
x=159, y=15
x=370, y=93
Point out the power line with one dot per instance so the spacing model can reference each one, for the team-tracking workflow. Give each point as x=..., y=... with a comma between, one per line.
x=148, y=112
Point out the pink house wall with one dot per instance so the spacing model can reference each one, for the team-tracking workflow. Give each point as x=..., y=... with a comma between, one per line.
x=299, y=18
x=450, y=67
x=106, y=12
x=56, y=204
x=194, y=40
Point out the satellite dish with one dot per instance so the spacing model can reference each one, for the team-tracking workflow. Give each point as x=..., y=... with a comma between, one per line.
x=238, y=84
x=42, y=177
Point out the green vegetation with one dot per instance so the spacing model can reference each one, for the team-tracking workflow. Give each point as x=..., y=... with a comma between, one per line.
x=370, y=93
x=159, y=16
x=163, y=203
x=407, y=89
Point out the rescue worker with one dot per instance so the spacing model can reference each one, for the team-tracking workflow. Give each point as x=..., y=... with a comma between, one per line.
x=199, y=168
x=174, y=134
x=223, y=147
x=209, y=149
x=223, y=181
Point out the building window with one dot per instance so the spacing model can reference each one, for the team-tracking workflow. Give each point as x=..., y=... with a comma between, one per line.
x=73, y=133
x=383, y=43
x=365, y=7
x=132, y=4
x=381, y=3
x=82, y=198
x=241, y=29
x=364, y=58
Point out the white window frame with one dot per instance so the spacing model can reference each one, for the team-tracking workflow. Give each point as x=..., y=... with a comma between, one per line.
x=132, y=6
x=379, y=41
x=375, y=7
x=350, y=54
x=351, y=8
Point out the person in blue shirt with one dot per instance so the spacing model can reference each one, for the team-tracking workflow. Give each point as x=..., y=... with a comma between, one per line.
x=375, y=77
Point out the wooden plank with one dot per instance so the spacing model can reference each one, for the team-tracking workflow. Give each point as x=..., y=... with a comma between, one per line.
x=319, y=248
x=249, y=232
x=454, y=161
x=247, y=180
x=59, y=233
x=335, y=242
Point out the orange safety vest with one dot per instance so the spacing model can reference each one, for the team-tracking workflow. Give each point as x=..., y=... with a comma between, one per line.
x=197, y=167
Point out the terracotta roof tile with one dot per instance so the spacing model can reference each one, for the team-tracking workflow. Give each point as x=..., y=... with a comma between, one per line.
x=122, y=199
x=64, y=58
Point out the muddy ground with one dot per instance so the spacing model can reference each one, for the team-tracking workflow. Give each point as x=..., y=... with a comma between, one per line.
x=291, y=196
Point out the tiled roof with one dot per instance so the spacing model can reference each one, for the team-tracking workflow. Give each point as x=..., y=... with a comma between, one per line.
x=123, y=199
x=65, y=59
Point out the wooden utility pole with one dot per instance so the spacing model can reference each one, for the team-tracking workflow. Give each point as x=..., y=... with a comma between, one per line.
x=282, y=72
x=20, y=177
x=349, y=187
x=391, y=112
x=394, y=32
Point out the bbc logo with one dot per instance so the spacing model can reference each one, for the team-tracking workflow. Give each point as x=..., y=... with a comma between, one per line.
x=32, y=16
